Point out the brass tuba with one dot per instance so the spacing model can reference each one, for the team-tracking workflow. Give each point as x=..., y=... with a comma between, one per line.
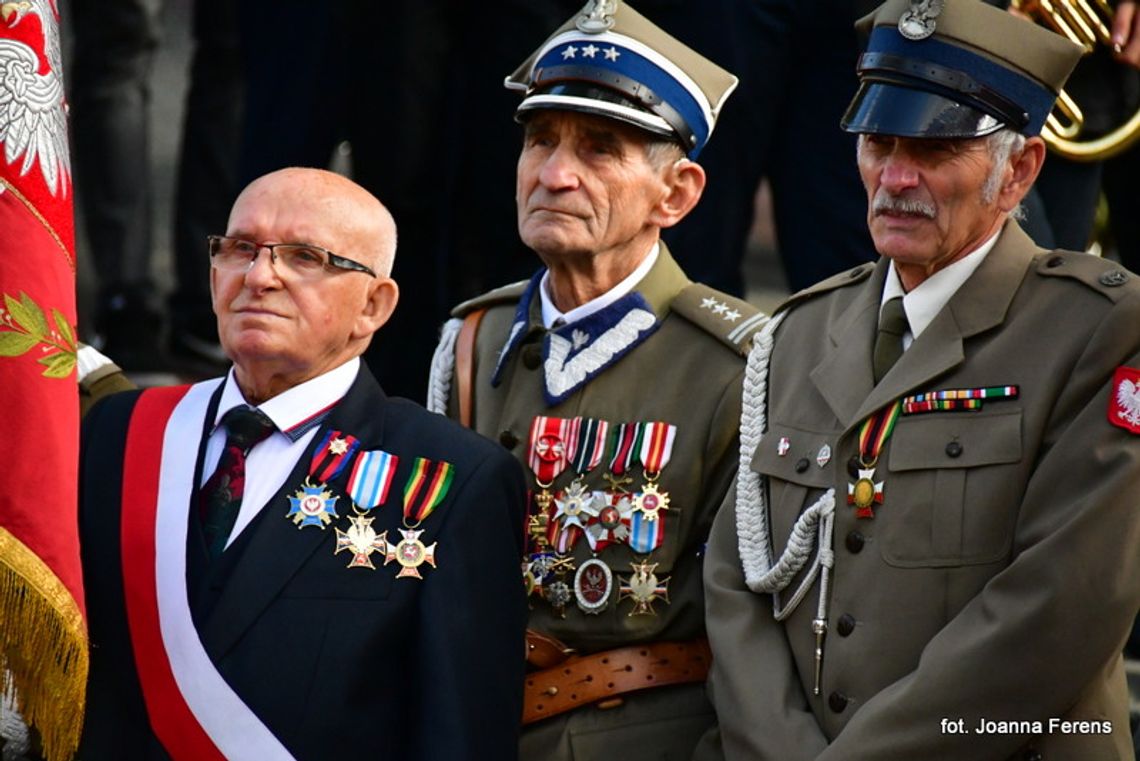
x=1087, y=23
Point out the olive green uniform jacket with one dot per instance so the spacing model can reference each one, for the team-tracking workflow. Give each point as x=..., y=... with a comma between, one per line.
x=688, y=372
x=1000, y=575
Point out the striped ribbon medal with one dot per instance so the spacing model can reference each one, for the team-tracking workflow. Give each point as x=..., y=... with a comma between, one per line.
x=955, y=399
x=865, y=492
x=548, y=453
x=655, y=452
x=574, y=506
x=314, y=504
x=626, y=442
x=425, y=489
x=368, y=486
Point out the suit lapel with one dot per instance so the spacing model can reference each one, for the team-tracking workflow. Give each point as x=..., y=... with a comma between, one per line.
x=277, y=548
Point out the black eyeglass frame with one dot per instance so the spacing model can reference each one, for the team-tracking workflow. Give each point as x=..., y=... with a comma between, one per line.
x=334, y=260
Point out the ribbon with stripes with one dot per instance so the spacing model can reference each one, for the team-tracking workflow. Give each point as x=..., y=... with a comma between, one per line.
x=426, y=488
x=332, y=455
x=371, y=478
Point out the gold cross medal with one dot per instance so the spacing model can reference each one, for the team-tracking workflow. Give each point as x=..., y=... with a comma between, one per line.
x=361, y=541
x=865, y=493
x=424, y=491
x=312, y=506
x=410, y=553
x=645, y=588
x=655, y=452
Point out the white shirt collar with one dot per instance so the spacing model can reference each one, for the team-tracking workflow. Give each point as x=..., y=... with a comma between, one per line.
x=550, y=312
x=291, y=409
x=924, y=303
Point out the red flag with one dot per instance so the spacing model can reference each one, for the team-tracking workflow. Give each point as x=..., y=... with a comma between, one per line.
x=43, y=630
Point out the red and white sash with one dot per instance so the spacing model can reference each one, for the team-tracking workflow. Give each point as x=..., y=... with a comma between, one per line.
x=195, y=714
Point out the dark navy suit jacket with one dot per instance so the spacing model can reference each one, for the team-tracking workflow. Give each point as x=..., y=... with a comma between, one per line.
x=337, y=662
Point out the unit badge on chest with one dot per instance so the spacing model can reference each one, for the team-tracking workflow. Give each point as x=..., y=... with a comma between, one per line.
x=592, y=586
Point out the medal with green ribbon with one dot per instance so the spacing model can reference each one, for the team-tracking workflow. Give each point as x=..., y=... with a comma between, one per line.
x=425, y=489
x=865, y=492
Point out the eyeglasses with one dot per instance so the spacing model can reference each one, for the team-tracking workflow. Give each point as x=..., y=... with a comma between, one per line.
x=300, y=259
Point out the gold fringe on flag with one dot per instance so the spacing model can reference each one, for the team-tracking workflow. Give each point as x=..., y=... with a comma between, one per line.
x=43, y=648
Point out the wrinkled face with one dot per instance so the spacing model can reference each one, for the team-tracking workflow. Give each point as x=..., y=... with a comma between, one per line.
x=926, y=205
x=584, y=184
x=268, y=317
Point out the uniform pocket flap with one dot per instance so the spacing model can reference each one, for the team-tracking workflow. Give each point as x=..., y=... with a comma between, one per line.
x=797, y=456
x=955, y=440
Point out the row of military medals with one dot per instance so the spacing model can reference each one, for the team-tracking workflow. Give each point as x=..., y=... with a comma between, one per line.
x=314, y=504
x=603, y=517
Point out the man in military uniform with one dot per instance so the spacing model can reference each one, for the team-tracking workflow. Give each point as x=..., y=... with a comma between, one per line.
x=931, y=552
x=616, y=381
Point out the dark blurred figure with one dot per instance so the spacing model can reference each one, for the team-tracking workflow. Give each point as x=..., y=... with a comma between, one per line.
x=417, y=89
x=114, y=50
x=796, y=63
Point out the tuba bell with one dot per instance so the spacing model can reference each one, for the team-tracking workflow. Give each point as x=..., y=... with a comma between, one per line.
x=1087, y=23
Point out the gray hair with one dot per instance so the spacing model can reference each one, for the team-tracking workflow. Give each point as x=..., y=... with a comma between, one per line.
x=1002, y=145
x=662, y=153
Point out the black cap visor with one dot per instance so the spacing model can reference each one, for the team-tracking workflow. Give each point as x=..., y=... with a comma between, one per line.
x=887, y=108
x=588, y=98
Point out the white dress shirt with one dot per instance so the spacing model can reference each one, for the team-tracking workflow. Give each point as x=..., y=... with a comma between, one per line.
x=924, y=303
x=297, y=413
x=550, y=312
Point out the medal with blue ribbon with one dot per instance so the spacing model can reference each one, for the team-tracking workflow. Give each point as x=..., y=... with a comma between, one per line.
x=314, y=504
x=368, y=486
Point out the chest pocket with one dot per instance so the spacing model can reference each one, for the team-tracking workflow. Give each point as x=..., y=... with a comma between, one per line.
x=798, y=476
x=952, y=489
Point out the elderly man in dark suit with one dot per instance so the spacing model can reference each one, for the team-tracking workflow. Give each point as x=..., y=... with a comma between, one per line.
x=932, y=548
x=285, y=563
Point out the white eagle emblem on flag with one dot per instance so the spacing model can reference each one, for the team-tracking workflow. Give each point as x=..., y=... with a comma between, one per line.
x=33, y=117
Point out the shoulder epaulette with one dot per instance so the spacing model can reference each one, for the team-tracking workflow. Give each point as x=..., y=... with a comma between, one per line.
x=1102, y=275
x=730, y=319
x=506, y=294
x=841, y=280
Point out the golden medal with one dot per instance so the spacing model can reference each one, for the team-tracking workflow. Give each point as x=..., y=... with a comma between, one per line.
x=644, y=588
x=654, y=453
x=368, y=486
x=424, y=491
x=864, y=493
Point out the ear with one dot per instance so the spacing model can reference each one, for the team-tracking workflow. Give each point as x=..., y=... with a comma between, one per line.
x=1026, y=166
x=378, y=307
x=685, y=182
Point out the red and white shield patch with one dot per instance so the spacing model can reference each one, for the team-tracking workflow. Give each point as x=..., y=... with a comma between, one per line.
x=1124, y=403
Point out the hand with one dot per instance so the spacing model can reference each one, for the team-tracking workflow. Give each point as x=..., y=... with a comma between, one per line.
x=1126, y=34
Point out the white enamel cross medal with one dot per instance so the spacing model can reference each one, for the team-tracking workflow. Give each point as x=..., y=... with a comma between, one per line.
x=865, y=493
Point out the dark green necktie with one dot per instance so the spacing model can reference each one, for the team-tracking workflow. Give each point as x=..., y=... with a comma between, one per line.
x=888, y=342
x=220, y=497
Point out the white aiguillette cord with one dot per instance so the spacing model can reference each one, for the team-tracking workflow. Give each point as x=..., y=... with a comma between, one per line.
x=814, y=526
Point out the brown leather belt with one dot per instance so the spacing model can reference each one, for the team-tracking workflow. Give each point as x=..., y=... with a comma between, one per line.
x=600, y=678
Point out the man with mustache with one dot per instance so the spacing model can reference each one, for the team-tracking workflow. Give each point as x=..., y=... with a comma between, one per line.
x=931, y=551
x=616, y=381
x=278, y=563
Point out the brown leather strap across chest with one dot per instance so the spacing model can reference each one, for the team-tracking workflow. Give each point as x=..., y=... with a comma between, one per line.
x=601, y=678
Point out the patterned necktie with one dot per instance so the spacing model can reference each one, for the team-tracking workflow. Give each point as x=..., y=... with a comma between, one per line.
x=220, y=497
x=888, y=342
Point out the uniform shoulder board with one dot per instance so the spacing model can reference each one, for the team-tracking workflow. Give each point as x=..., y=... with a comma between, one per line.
x=507, y=294
x=843, y=279
x=730, y=319
x=1102, y=275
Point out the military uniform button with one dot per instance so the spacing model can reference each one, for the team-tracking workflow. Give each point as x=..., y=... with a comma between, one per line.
x=532, y=357
x=846, y=625
x=802, y=464
x=508, y=439
x=853, y=466
x=855, y=541
x=1114, y=278
x=954, y=449
x=837, y=701
x=1056, y=261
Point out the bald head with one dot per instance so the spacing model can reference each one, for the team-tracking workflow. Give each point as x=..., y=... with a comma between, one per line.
x=317, y=198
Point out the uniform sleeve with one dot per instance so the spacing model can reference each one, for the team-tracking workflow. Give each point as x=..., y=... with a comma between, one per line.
x=762, y=713
x=472, y=623
x=1044, y=627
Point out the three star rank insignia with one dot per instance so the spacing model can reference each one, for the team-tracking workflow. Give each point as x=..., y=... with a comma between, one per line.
x=410, y=553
